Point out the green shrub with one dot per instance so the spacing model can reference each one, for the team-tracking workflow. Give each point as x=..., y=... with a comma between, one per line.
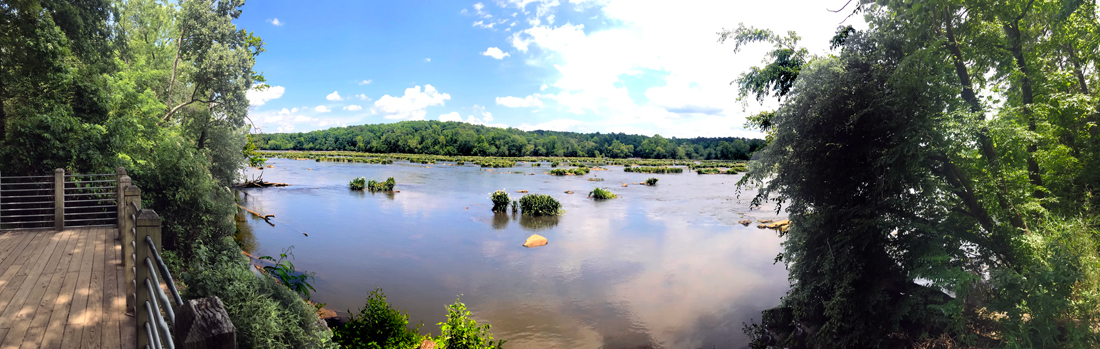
x=539, y=205
x=651, y=181
x=554, y=164
x=284, y=271
x=358, y=183
x=462, y=332
x=560, y=172
x=515, y=206
x=581, y=171
x=500, y=200
x=377, y=325
x=601, y=194
x=382, y=186
x=265, y=313
x=654, y=169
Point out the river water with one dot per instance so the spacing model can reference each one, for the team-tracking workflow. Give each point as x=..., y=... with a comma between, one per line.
x=660, y=267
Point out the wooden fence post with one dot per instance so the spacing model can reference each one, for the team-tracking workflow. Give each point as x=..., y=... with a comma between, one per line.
x=120, y=201
x=148, y=224
x=59, y=199
x=133, y=197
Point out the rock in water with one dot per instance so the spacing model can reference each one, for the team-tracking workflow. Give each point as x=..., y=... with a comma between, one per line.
x=521, y=191
x=761, y=226
x=745, y=222
x=535, y=241
x=765, y=221
x=624, y=185
x=779, y=224
x=569, y=192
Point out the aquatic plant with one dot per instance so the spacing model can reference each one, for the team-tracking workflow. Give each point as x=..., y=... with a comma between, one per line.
x=601, y=194
x=377, y=325
x=284, y=271
x=651, y=181
x=388, y=185
x=515, y=206
x=500, y=200
x=462, y=332
x=540, y=205
x=358, y=183
x=654, y=169
x=554, y=164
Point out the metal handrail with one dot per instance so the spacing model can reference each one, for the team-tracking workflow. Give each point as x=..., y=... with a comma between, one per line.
x=25, y=209
x=164, y=270
x=27, y=183
x=161, y=326
x=46, y=176
x=90, y=175
x=90, y=194
x=152, y=330
x=89, y=188
x=161, y=298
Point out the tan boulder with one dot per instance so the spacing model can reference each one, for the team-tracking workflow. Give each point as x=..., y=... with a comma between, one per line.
x=779, y=224
x=761, y=226
x=745, y=222
x=765, y=221
x=535, y=240
x=521, y=191
x=569, y=192
x=624, y=185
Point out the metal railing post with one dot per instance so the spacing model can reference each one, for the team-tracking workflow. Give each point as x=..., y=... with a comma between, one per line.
x=132, y=198
x=120, y=201
x=59, y=199
x=148, y=224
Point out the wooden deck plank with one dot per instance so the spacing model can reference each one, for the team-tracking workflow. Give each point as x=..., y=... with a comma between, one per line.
x=26, y=263
x=37, y=330
x=16, y=254
x=14, y=238
x=40, y=257
x=55, y=330
x=21, y=319
x=111, y=258
x=78, y=311
x=93, y=331
x=127, y=323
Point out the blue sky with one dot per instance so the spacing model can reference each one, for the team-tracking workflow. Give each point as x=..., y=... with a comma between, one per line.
x=644, y=67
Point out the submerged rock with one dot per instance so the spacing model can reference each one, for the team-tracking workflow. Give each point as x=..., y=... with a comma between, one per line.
x=569, y=192
x=521, y=191
x=535, y=240
x=761, y=226
x=624, y=185
x=745, y=222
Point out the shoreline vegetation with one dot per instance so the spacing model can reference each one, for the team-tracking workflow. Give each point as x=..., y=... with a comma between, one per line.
x=634, y=164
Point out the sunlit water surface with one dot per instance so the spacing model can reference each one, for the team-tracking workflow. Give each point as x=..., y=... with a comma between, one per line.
x=660, y=267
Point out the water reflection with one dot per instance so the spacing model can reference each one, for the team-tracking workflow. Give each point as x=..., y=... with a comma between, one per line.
x=660, y=267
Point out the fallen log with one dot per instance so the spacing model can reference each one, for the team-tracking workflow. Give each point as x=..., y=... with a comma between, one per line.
x=267, y=218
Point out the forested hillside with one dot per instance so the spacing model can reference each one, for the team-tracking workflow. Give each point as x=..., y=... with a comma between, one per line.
x=458, y=138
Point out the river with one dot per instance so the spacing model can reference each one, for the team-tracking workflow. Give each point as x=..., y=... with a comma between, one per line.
x=665, y=266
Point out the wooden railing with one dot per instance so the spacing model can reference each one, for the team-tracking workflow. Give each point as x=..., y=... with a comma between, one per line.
x=162, y=321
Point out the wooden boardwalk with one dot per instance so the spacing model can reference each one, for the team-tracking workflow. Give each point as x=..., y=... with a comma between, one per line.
x=63, y=290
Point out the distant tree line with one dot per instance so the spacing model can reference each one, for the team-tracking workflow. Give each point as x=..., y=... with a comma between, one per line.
x=458, y=138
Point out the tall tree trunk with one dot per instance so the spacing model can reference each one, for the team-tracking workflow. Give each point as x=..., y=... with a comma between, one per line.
x=1027, y=97
x=985, y=143
x=1084, y=85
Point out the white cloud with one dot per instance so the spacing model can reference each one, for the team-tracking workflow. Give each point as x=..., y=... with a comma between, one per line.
x=256, y=97
x=554, y=125
x=479, y=6
x=427, y=59
x=516, y=102
x=334, y=96
x=411, y=106
x=276, y=22
x=673, y=49
x=365, y=82
x=452, y=116
x=353, y=107
x=322, y=109
x=495, y=53
x=362, y=97
x=482, y=24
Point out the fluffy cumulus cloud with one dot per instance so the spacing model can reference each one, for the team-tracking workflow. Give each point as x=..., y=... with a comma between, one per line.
x=276, y=22
x=412, y=106
x=259, y=97
x=596, y=72
x=362, y=97
x=334, y=96
x=365, y=82
x=452, y=116
x=322, y=109
x=495, y=53
x=353, y=107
